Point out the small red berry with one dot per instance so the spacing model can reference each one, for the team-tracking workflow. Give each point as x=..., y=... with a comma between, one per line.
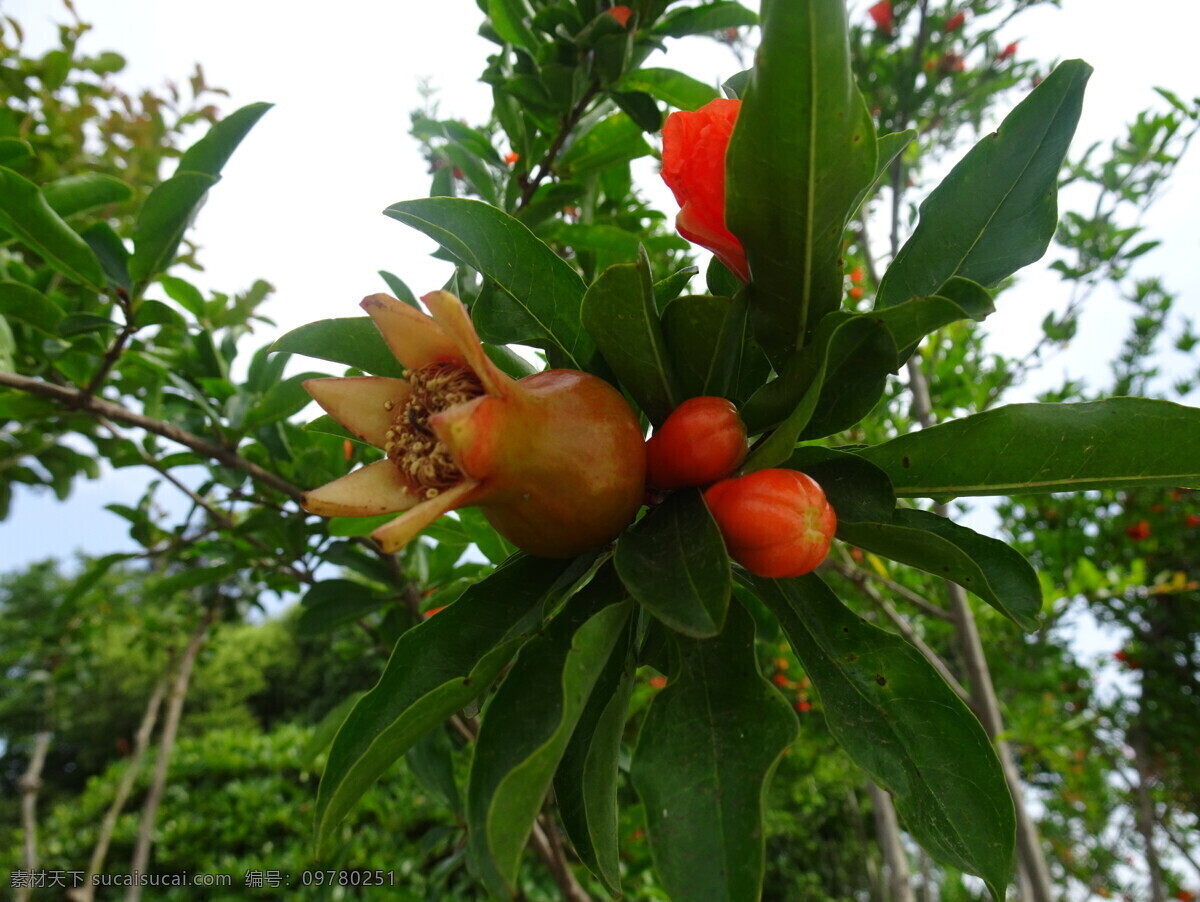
x=511, y=157
x=855, y=293
x=776, y=523
x=703, y=440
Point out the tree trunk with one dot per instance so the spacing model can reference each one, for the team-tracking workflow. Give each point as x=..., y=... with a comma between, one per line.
x=887, y=832
x=166, y=745
x=30, y=783
x=1143, y=815
x=141, y=740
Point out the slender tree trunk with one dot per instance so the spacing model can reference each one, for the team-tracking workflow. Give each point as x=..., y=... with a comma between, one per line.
x=1143, y=815
x=166, y=745
x=1035, y=872
x=887, y=831
x=30, y=783
x=141, y=740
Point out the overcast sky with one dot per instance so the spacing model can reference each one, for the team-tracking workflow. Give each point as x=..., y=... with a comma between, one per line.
x=299, y=204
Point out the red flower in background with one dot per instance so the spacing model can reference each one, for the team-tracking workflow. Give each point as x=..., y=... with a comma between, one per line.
x=1009, y=51
x=693, y=166
x=1139, y=531
x=621, y=14
x=955, y=22
x=881, y=15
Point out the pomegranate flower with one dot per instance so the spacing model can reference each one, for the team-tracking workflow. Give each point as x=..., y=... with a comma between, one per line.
x=881, y=15
x=555, y=461
x=693, y=166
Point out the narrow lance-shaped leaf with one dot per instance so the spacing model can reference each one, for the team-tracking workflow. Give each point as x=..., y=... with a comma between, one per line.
x=802, y=151
x=619, y=313
x=528, y=722
x=704, y=757
x=435, y=669
x=1030, y=448
x=983, y=565
x=539, y=294
x=889, y=709
x=673, y=562
x=25, y=213
x=354, y=341
x=997, y=209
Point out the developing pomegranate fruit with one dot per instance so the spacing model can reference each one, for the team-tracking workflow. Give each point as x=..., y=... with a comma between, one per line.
x=702, y=440
x=776, y=523
x=555, y=461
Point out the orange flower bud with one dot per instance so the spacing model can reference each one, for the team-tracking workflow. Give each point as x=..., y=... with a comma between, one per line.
x=881, y=15
x=1009, y=51
x=955, y=22
x=621, y=14
x=693, y=166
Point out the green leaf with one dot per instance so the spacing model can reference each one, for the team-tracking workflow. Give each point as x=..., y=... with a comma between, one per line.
x=829, y=385
x=641, y=108
x=25, y=213
x=680, y=91
x=705, y=754
x=539, y=293
x=185, y=294
x=670, y=287
x=887, y=148
x=673, y=561
x=1030, y=448
x=431, y=759
x=73, y=194
x=14, y=151
x=436, y=668
x=889, y=709
x=911, y=320
x=399, y=288
x=617, y=139
x=619, y=314
x=353, y=341
x=988, y=567
x=710, y=17
x=210, y=154
x=706, y=338
x=510, y=20
x=857, y=489
x=26, y=304
x=334, y=602
x=585, y=786
x=528, y=722
x=110, y=250
x=997, y=209
x=802, y=151
x=166, y=215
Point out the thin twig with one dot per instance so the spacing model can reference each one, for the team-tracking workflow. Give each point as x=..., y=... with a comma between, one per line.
x=74, y=399
x=546, y=165
x=857, y=574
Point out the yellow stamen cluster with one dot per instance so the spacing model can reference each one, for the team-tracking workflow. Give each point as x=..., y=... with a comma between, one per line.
x=411, y=443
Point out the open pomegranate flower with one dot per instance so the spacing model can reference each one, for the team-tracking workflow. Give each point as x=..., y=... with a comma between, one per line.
x=555, y=461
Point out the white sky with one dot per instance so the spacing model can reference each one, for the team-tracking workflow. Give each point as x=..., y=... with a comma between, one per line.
x=300, y=202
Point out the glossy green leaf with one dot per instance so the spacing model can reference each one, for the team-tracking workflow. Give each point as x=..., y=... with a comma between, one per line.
x=166, y=215
x=709, y=344
x=26, y=304
x=436, y=668
x=828, y=386
x=802, y=151
x=705, y=754
x=399, y=288
x=334, y=602
x=585, y=786
x=617, y=139
x=887, y=148
x=184, y=293
x=704, y=19
x=528, y=722
x=983, y=565
x=680, y=91
x=431, y=759
x=111, y=251
x=619, y=314
x=1025, y=448
x=641, y=108
x=25, y=213
x=670, y=287
x=911, y=320
x=14, y=151
x=353, y=341
x=673, y=562
x=889, y=709
x=73, y=194
x=510, y=18
x=858, y=490
x=210, y=154
x=997, y=209
x=539, y=293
